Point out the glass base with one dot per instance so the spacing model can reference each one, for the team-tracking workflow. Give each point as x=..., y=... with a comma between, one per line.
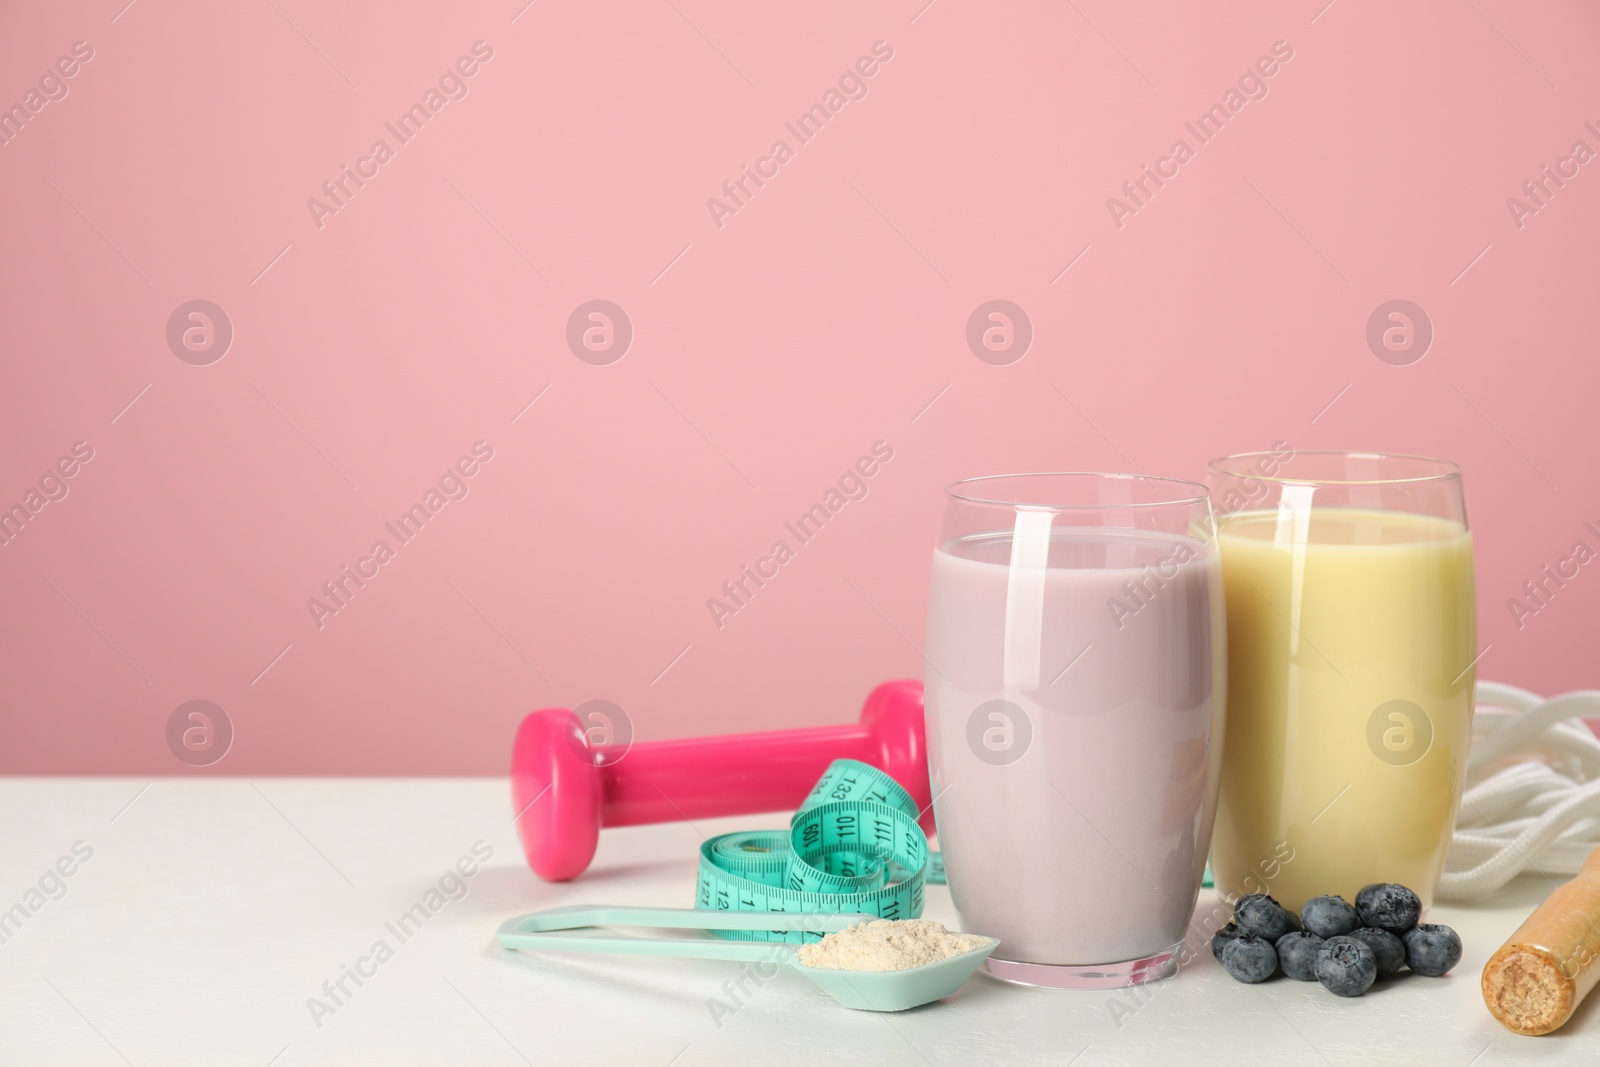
x=1163, y=964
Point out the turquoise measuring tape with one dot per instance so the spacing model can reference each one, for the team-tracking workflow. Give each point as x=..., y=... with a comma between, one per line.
x=854, y=846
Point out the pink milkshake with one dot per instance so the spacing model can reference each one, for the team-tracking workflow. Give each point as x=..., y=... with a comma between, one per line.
x=1075, y=694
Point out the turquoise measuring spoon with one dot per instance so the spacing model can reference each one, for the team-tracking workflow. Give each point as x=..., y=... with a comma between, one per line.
x=553, y=931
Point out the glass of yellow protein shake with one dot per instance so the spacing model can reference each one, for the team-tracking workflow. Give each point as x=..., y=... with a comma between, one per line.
x=1352, y=634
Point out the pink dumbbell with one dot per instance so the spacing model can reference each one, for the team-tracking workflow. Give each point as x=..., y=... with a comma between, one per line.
x=564, y=790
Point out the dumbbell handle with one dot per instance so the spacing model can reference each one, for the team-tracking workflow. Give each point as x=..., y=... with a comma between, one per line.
x=704, y=778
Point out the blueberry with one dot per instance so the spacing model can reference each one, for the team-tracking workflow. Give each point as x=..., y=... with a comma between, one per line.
x=1329, y=916
x=1389, y=907
x=1250, y=959
x=1297, y=955
x=1432, y=949
x=1346, y=967
x=1222, y=937
x=1293, y=920
x=1386, y=947
x=1258, y=915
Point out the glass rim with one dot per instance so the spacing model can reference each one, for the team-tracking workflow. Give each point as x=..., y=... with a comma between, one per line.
x=1197, y=493
x=1445, y=469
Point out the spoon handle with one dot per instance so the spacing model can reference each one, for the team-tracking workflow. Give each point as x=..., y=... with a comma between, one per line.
x=689, y=948
x=543, y=931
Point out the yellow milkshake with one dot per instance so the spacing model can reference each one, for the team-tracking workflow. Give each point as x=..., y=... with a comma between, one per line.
x=1351, y=635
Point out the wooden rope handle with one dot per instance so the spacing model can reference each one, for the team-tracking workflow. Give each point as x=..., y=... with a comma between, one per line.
x=1543, y=972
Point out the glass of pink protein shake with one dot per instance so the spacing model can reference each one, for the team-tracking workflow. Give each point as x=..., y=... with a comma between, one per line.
x=1076, y=685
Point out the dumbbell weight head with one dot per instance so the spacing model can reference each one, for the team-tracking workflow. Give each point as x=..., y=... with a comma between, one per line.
x=557, y=794
x=892, y=717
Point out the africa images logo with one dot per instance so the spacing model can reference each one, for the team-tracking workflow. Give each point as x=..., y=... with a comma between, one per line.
x=852, y=85
x=453, y=485
x=1252, y=85
x=852, y=485
x=453, y=84
x=51, y=88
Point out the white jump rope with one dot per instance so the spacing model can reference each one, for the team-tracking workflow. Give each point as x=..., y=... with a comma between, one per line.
x=1532, y=800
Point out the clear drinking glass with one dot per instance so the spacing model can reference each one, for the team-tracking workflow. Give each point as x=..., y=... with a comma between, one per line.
x=1075, y=692
x=1352, y=629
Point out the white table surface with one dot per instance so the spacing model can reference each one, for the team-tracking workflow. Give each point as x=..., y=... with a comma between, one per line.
x=212, y=909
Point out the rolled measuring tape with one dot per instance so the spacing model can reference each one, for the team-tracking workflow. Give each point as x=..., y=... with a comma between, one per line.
x=854, y=846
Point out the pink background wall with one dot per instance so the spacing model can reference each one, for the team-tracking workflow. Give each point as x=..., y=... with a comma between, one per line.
x=828, y=313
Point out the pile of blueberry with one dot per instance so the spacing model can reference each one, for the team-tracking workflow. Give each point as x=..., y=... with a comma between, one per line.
x=1345, y=948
